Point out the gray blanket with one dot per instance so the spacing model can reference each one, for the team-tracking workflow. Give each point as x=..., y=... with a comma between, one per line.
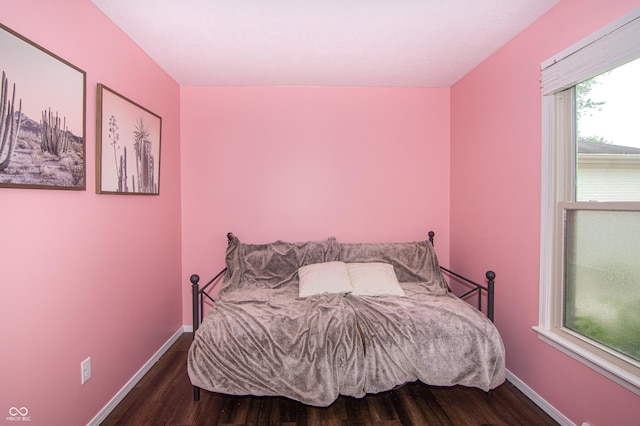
x=260, y=338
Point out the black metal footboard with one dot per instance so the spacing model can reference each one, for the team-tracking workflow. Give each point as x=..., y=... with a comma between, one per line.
x=477, y=288
x=197, y=308
x=198, y=294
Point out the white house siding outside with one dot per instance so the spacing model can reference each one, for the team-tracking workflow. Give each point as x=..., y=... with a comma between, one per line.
x=607, y=172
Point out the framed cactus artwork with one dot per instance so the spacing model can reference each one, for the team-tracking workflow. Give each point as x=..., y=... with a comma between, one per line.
x=42, y=117
x=128, y=146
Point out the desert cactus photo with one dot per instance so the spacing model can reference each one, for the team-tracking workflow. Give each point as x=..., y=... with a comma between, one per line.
x=42, y=117
x=128, y=146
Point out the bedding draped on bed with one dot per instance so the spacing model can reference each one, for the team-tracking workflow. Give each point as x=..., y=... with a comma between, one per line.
x=260, y=338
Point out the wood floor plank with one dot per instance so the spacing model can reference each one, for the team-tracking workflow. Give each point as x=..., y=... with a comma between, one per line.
x=164, y=396
x=514, y=407
x=285, y=412
x=466, y=406
x=414, y=408
x=381, y=408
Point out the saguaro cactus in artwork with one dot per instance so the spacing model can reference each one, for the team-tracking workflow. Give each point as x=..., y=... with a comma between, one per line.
x=144, y=158
x=9, y=122
x=55, y=139
x=122, y=173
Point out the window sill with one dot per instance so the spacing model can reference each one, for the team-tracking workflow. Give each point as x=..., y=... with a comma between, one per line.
x=613, y=372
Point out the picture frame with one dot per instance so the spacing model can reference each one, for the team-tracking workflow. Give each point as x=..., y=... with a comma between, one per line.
x=42, y=122
x=131, y=164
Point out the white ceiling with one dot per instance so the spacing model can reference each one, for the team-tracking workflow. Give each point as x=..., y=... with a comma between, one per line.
x=413, y=43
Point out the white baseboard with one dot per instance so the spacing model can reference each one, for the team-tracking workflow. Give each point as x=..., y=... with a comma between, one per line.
x=187, y=328
x=111, y=405
x=538, y=400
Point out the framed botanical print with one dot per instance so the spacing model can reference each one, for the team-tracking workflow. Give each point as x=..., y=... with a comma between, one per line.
x=128, y=146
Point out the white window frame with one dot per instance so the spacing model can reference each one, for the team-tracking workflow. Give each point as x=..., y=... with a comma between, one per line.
x=612, y=46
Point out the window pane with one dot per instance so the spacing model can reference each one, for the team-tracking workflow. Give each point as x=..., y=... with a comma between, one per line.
x=608, y=135
x=602, y=278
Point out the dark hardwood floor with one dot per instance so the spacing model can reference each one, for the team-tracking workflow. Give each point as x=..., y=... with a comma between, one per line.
x=164, y=396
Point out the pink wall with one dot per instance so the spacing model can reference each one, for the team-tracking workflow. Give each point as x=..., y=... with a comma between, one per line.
x=495, y=204
x=293, y=163
x=85, y=274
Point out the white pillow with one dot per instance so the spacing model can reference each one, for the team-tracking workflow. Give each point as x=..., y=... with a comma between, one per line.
x=324, y=278
x=374, y=279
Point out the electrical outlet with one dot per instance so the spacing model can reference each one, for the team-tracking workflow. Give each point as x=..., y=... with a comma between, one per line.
x=85, y=370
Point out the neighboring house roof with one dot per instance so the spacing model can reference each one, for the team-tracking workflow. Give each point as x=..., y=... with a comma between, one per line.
x=585, y=147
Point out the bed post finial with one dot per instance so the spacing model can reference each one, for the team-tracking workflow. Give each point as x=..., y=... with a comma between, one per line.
x=431, y=235
x=491, y=276
x=229, y=237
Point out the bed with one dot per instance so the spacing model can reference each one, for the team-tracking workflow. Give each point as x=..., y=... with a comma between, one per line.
x=286, y=322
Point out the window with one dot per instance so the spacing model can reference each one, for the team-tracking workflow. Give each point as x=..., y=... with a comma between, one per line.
x=590, y=228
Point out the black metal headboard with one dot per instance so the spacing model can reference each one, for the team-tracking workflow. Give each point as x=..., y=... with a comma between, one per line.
x=477, y=288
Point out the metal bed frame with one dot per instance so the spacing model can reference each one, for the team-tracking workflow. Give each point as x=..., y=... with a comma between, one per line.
x=477, y=288
x=199, y=294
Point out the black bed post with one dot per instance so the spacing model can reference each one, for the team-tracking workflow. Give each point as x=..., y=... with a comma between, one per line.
x=195, y=291
x=431, y=235
x=491, y=276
